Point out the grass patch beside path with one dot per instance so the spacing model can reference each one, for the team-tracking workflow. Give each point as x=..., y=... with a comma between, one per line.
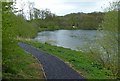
x=79, y=61
x=17, y=64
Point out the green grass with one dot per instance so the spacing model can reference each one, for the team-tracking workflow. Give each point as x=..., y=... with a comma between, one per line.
x=19, y=64
x=81, y=62
x=16, y=63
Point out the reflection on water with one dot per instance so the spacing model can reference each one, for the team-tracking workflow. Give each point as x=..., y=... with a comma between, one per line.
x=74, y=39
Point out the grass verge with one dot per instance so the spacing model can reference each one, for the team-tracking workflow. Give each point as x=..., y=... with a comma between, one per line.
x=18, y=64
x=79, y=61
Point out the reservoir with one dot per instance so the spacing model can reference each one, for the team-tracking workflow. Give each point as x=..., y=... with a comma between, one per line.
x=78, y=40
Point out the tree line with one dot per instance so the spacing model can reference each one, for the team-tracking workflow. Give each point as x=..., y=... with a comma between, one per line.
x=80, y=20
x=89, y=21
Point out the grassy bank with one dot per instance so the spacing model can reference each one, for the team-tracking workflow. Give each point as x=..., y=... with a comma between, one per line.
x=16, y=63
x=84, y=63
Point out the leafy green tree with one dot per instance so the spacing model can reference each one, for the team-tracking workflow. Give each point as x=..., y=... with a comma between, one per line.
x=107, y=48
x=6, y=6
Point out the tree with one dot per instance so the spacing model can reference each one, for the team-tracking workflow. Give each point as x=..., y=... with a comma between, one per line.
x=22, y=6
x=31, y=8
x=7, y=6
x=108, y=43
x=36, y=13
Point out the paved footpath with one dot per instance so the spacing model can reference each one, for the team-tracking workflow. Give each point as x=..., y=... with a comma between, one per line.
x=54, y=68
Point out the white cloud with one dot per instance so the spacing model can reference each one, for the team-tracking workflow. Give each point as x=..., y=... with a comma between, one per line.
x=62, y=7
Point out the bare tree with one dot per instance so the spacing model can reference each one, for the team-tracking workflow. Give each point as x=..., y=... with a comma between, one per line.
x=36, y=13
x=22, y=6
x=31, y=9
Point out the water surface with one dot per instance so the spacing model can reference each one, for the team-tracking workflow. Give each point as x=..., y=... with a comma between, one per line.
x=73, y=39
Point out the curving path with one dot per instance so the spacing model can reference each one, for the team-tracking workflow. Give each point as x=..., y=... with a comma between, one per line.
x=54, y=68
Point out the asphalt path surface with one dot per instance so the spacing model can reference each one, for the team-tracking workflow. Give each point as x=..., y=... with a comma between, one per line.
x=54, y=68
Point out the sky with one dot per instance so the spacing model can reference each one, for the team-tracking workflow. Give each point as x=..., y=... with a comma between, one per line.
x=63, y=7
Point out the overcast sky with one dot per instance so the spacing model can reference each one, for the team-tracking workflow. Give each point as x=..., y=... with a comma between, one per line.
x=62, y=7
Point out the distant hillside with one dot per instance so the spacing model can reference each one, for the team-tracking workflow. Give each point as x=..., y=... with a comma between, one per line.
x=84, y=21
x=89, y=21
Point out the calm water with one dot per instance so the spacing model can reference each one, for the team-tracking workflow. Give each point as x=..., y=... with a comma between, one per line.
x=73, y=39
